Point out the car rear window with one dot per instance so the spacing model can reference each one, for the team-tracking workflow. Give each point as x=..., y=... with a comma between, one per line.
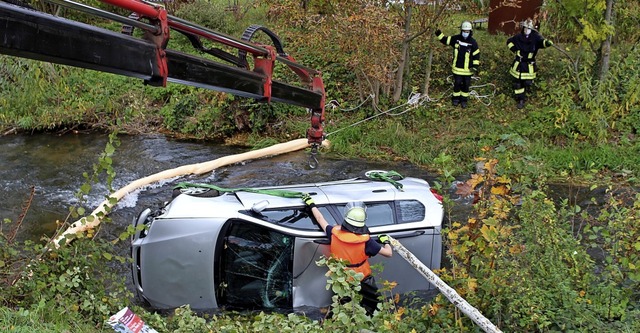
x=379, y=213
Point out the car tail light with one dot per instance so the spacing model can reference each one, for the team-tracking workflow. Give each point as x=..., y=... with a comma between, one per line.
x=436, y=194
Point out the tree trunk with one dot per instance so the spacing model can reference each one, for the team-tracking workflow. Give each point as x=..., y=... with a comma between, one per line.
x=403, y=65
x=427, y=75
x=605, y=47
x=93, y=220
x=447, y=291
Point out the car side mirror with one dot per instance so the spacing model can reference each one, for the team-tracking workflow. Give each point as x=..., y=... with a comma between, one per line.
x=260, y=206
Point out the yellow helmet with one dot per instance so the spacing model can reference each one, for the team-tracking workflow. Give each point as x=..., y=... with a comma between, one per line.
x=466, y=25
x=355, y=215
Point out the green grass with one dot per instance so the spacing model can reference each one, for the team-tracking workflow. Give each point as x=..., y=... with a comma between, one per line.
x=44, y=321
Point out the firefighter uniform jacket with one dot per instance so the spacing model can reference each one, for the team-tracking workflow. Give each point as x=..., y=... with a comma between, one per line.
x=525, y=49
x=466, y=54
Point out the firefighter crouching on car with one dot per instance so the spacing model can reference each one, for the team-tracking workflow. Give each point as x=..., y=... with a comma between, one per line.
x=351, y=242
x=525, y=46
x=466, y=59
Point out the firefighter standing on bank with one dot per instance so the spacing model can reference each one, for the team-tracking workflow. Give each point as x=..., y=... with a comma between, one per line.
x=525, y=46
x=466, y=59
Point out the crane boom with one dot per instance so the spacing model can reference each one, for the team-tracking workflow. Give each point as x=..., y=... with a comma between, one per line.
x=35, y=35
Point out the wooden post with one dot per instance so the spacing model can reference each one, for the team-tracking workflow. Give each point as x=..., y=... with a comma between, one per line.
x=93, y=220
x=447, y=291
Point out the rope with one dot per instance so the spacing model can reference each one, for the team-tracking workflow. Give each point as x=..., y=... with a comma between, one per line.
x=474, y=93
x=415, y=99
x=274, y=192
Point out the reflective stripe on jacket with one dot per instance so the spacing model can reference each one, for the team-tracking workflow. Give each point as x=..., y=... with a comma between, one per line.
x=466, y=53
x=525, y=49
x=350, y=247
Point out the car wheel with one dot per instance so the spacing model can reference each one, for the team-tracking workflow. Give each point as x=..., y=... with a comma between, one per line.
x=198, y=192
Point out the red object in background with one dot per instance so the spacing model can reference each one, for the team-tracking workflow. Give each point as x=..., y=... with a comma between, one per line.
x=506, y=16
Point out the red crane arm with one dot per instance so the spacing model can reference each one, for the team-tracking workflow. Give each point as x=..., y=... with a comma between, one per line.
x=31, y=34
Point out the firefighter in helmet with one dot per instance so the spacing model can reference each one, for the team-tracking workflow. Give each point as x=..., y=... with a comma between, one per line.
x=351, y=242
x=466, y=59
x=525, y=46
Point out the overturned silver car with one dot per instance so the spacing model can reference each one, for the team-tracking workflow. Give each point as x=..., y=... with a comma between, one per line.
x=251, y=249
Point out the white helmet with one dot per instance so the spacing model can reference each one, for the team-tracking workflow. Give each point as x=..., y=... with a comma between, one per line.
x=528, y=24
x=466, y=25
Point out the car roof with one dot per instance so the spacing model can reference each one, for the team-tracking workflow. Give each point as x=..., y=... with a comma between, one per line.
x=339, y=192
x=229, y=205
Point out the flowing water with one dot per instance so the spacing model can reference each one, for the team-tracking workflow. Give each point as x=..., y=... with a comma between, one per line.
x=53, y=167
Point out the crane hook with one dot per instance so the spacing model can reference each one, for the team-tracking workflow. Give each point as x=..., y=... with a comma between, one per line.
x=313, y=161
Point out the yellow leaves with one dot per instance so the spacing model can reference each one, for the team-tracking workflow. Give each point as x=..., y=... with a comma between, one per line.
x=500, y=190
x=434, y=308
x=390, y=284
x=475, y=180
x=398, y=315
x=472, y=284
x=490, y=233
x=516, y=249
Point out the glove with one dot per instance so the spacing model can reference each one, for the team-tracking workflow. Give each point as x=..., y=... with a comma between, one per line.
x=384, y=239
x=308, y=200
x=438, y=32
x=549, y=43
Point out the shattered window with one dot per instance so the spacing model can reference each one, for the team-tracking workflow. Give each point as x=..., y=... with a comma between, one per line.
x=410, y=211
x=256, y=267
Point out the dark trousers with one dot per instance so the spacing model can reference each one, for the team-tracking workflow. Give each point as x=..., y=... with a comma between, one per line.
x=370, y=296
x=461, y=84
x=520, y=87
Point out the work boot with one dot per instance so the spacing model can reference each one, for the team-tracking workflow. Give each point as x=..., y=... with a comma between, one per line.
x=455, y=102
x=463, y=104
x=520, y=103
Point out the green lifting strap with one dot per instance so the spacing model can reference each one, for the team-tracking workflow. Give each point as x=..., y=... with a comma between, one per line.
x=387, y=176
x=274, y=192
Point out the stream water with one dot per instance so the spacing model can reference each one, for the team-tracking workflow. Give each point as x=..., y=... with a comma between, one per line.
x=53, y=166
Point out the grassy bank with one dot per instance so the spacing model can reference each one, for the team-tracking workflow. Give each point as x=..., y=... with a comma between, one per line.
x=555, y=134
